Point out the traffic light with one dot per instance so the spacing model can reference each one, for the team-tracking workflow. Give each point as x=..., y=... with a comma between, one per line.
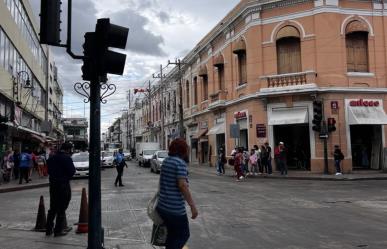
x=50, y=22
x=110, y=35
x=89, y=60
x=331, y=124
x=317, y=115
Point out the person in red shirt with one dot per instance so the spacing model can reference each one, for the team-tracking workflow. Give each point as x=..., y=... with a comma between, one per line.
x=238, y=164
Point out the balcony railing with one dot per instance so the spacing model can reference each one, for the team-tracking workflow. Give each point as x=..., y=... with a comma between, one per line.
x=289, y=79
x=218, y=99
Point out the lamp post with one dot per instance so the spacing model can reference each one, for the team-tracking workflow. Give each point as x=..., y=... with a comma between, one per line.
x=21, y=75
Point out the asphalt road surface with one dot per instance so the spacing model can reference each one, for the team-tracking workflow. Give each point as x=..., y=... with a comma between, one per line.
x=255, y=213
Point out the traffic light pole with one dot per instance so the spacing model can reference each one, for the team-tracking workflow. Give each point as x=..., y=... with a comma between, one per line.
x=181, y=112
x=95, y=236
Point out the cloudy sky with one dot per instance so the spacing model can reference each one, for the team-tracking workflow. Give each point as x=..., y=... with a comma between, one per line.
x=159, y=30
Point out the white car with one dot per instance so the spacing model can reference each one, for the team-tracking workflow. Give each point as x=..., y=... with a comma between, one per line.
x=157, y=160
x=107, y=159
x=81, y=163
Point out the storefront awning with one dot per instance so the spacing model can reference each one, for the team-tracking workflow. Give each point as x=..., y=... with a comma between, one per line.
x=199, y=134
x=284, y=116
x=358, y=115
x=217, y=129
x=38, y=138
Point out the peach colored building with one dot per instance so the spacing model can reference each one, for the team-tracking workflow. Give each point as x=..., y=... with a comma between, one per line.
x=267, y=61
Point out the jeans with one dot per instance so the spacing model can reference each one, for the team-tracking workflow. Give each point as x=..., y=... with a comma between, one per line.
x=283, y=167
x=337, y=165
x=269, y=167
x=60, y=196
x=178, y=229
x=220, y=167
x=24, y=174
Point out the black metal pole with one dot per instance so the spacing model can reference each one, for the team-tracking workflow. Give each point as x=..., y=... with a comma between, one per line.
x=325, y=131
x=95, y=231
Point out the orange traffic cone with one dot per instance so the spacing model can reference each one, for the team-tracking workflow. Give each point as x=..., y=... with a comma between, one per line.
x=41, y=217
x=83, y=223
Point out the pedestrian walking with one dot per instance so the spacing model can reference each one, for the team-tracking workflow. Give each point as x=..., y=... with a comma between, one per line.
x=221, y=161
x=16, y=164
x=268, y=158
x=24, y=166
x=263, y=159
x=245, y=162
x=282, y=154
x=60, y=169
x=174, y=191
x=7, y=165
x=338, y=157
x=41, y=162
x=120, y=164
x=253, y=162
x=238, y=161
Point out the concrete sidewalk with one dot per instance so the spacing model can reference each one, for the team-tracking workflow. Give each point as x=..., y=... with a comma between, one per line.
x=297, y=175
x=13, y=185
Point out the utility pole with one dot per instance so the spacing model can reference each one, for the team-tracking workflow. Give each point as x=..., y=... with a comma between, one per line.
x=128, y=141
x=150, y=107
x=181, y=114
x=161, y=76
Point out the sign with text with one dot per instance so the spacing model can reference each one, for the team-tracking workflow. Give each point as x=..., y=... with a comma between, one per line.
x=240, y=115
x=261, y=130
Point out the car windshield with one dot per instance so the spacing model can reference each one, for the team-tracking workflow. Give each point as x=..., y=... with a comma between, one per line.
x=162, y=154
x=149, y=152
x=107, y=153
x=80, y=157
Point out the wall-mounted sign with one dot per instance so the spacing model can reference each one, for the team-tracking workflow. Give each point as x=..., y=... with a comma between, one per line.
x=204, y=125
x=334, y=105
x=234, y=131
x=365, y=103
x=240, y=115
x=261, y=130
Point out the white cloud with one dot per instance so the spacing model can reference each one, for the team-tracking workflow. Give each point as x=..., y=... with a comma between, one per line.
x=159, y=30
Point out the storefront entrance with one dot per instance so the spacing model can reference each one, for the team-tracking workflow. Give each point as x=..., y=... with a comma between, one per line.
x=297, y=141
x=366, y=145
x=204, y=152
x=220, y=141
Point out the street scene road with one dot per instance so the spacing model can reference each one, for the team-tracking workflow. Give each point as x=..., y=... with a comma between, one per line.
x=255, y=213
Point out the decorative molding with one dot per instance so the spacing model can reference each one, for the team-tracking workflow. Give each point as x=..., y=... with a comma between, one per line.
x=353, y=18
x=360, y=74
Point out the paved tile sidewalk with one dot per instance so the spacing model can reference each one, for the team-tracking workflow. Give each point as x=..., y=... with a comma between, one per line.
x=299, y=175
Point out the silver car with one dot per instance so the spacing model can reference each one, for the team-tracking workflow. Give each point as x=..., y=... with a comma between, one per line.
x=157, y=160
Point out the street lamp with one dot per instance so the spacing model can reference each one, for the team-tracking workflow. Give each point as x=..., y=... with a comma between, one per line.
x=24, y=76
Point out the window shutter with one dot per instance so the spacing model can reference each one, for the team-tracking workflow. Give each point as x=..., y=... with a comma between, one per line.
x=242, y=68
x=357, y=52
x=288, y=55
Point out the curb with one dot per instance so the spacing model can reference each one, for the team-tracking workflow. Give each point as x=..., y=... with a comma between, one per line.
x=311, y=178
x=24, y=187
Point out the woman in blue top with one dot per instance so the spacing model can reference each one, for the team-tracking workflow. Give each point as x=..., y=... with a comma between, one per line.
x=174, y=192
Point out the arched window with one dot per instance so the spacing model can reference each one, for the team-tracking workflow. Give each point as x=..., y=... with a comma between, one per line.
x=187, y=93
x=356, y=41
x=219, y=64
x=288, y=50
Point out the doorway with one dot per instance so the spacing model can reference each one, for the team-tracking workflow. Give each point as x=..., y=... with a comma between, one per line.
x=204, y=152
x=366, y=144
x=243, y=140
x=296, y=138
x=220, y=141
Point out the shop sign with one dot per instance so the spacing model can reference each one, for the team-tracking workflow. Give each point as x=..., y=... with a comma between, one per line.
x=334, y=105
x=240, y=115
x=261, y=130
x=365, y=103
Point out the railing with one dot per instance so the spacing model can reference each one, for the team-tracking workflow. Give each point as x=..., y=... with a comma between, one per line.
x=218, y=99
x=290, y=79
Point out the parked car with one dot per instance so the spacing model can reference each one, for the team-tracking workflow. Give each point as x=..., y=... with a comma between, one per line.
x=145, y=158
x=127, y=155
x=157, y=160
x=107, y=159
x=81, y=163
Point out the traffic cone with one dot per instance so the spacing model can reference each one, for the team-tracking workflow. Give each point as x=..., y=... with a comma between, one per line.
x=83, y=223
x=41, y=217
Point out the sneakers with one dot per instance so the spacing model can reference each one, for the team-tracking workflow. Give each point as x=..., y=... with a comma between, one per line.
x=241, y=178
x=338, y=173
